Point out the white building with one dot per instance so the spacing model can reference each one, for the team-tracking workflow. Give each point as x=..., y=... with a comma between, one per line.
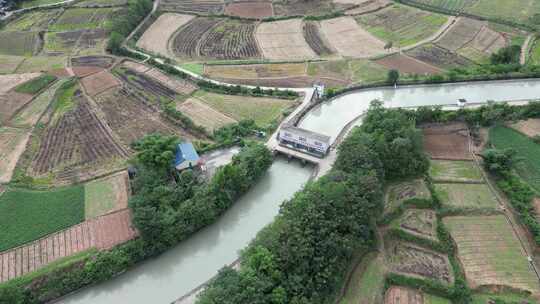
x=304, y=140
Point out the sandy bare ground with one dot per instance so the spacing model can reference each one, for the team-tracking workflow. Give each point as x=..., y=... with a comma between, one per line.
x=155, y=39
x=530, y=127
x=99, y=82
x=10, y=81
x=180, y=86
x=203, y=115
x=350, y=39
x=12, y=145
x=283, y=40
x=103, y=232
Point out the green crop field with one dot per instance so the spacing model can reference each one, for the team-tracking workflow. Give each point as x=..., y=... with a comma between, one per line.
x=535, y=53
x=402, y=25
x=448, y=170
x=482, y=298
x=367, y=281
x=35, y=85
x=529, y=169
x=262, y=110
x=466, y=195
x=27, y=215
x=33, y=3
x=363, y=71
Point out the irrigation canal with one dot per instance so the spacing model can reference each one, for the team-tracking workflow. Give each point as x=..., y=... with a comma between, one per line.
x=185, y=267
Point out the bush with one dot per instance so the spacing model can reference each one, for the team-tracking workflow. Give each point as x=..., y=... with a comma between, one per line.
x=35, y=85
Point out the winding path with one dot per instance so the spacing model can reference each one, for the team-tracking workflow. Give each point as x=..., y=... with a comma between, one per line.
x=525, y=49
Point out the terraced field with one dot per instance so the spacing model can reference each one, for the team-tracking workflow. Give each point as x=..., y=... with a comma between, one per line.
x=447, y=141
x=256, y=10
x=284, y=40
x=232, y=39
x=12, y=145
x=185, y=43
x=313, y=37
x=401, y=24
x=439, y=57
x=491, y=253
x=204, y=115
x=455, y=171
x=214, y=7
x=468, y=196
x=81, y=18
x=155, y=39
x=19, y=43
x=400, y=192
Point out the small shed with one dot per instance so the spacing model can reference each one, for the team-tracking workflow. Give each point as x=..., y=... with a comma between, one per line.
x=186, y=156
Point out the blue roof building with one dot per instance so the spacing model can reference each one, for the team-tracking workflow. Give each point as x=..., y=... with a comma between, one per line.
x=186, y=156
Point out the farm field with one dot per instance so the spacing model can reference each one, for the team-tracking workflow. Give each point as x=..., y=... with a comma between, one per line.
x=262, y=110
x=468, y=196
x=402, y=25
x=535, y=53
x=30, y=115
x=351, y=40
x=337, y=69
x=40, y=63
x=490, y=252
x=19, y=43
x=131, y=118
x=283, y=40
x=529, y=169
x=10, y=103
x=303, y=8
x=81, y=18
x=255, y=10
x=449, y=142
x=418, y=262
x=180, y=86
x=35, y=85
x=400, y=192
x=146, y=88
x=75, y=137
x=100, y=233
x=94, y=61
x=255, y=71
x=106, y=195
x=529, y=127
x=8, y=82
x=312, y=35
x=231, y=39
x=367, y=71
x=33, y=21
x=364, y=6
x=403, y=295
x=203, y=115
x=12, y=144
x=419, y=222
x=482, y=298
x=32, y=3
x=367, y=281
x=472, y=39
x=185, y=42
x=155, y=39
x=99, y=82
x=408, y=65
x=27, y=215
x=211, y=7
x=439, y=57
x=455, y=171
x=8, y=63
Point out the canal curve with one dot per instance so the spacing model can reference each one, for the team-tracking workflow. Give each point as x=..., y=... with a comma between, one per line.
x=196, y=260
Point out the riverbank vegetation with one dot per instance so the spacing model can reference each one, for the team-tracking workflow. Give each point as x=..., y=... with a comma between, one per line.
x=302, y=256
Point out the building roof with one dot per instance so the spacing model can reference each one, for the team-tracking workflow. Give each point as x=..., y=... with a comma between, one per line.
x=307, y=133
x=185, y=152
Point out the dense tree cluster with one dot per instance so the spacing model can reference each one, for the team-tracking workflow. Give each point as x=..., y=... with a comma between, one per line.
x=301, y=257
x=167, y=210
x=124, y=24
x=507, y=55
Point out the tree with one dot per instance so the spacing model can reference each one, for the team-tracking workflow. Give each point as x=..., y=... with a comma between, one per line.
x=115, y=42
x=388, y=45
x=393, y=76
x=507, y=55
x=156, y=151
x=500, y=162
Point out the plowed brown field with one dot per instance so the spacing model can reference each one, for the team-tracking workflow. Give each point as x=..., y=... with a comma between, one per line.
x=447, y=141
x=406, y=64
x=99, y=82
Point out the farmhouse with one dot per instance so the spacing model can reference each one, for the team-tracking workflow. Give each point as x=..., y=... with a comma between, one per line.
x=304, y=140
x=186, y=156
